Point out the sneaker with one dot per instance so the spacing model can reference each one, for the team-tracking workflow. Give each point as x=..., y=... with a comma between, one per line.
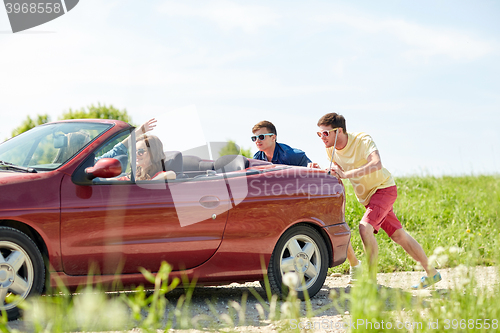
x=354, y=272
x=426, y=281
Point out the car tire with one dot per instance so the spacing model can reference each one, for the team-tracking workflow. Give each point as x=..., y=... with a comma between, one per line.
x=22, y=270
x=302, y=250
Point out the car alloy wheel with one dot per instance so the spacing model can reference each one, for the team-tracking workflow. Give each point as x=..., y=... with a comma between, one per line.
x=300, y=250
x=22, y=271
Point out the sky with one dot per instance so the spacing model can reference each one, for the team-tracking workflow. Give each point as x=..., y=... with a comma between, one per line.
x=421, y=77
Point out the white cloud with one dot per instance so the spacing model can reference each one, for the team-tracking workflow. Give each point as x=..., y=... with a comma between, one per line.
x=227, y=14
x=177, y=137
x=429, y=42
x=421, y=41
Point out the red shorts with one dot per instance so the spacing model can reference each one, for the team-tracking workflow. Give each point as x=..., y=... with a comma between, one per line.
x=379, y=212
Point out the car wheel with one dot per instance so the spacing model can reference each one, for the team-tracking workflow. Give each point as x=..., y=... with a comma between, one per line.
x=22, y=271
x=303, y=251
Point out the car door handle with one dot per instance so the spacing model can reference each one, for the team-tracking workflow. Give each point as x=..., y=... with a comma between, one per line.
x=209, y=201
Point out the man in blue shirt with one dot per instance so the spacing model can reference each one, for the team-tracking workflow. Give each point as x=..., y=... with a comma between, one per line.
x=264, y=136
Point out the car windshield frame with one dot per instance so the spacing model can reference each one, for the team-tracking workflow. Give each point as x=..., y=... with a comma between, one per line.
x=49, y=146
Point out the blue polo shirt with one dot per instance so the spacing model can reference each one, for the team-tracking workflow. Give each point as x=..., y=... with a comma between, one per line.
x=284, y=154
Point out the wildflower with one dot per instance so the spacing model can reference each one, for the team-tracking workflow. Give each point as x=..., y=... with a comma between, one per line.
x=432, y=260
x=286, y=310
x=468, y=231
x=291, y=279
x=438, y=250
x=462, y=270
x=462, y=276
x=442, y=260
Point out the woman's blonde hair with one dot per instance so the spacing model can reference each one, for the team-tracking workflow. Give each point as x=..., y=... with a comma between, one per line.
x=155, y=151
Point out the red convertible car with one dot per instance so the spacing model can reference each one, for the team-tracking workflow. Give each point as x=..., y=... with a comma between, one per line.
x=66, y=210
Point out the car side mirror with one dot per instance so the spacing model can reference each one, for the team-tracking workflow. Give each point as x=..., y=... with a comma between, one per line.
x=104, y=168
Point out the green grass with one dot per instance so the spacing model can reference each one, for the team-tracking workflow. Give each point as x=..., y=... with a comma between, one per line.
x=455, y=219
x=444, y=211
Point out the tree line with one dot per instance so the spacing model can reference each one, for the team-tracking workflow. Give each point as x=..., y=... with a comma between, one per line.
x=91, y=112
x=107, y=112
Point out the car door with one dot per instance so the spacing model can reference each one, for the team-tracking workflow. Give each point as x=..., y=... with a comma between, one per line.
x=118, y=226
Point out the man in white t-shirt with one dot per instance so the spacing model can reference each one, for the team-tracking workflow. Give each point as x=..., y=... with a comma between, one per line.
x=356, y=158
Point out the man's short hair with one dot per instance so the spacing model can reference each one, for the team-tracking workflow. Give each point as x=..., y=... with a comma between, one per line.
x=334, y=120
x=267, y=124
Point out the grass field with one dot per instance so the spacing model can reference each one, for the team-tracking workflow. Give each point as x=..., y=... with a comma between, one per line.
x=455, y=219
x=438, y=212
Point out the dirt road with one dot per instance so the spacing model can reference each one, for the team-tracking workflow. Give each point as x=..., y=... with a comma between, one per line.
x=213, y=306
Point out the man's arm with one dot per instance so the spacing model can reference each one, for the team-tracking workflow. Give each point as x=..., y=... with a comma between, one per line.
x=374, y=164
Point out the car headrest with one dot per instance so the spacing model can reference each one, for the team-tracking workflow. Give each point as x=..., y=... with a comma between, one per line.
x=191, y=163
x=229, y=163
x=173, y=161
x=206, y=165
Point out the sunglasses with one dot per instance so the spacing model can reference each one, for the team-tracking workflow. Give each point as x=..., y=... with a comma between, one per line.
x=325, y=133
x=140, y=152
x=260, y=136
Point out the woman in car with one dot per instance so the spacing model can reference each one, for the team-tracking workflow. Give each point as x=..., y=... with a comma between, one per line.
x=122, y=147
x=150, y=159
x=149, y=154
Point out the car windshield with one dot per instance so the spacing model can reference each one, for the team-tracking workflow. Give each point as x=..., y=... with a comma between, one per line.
x=46, y=147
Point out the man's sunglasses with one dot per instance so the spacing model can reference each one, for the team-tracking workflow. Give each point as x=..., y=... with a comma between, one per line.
x=325, y=133
x=140, y=152
x=260, y=136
